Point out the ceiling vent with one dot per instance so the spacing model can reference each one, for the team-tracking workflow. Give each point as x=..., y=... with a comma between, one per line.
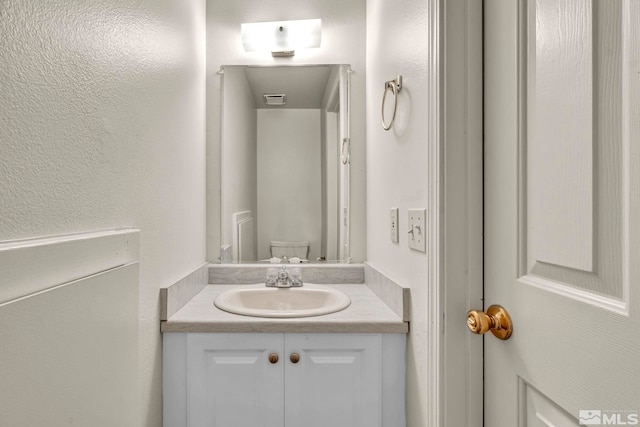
x=275, y=98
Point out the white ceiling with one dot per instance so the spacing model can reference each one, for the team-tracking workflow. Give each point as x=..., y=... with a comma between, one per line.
x=304, y=85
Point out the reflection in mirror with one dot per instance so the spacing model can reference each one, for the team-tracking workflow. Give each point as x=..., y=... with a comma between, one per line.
x=285, y=165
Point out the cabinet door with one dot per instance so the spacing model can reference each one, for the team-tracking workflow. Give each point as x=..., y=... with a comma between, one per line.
x=336, y=382
x=231, y=381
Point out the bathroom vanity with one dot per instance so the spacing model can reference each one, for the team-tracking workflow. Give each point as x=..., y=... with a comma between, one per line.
x=341, y=369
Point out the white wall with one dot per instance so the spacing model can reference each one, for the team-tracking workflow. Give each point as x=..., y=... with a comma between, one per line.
x=397, y=173
x=343, y=42
x=102, y=126
x=289, y=199
x=239, y=158
x=330, y=143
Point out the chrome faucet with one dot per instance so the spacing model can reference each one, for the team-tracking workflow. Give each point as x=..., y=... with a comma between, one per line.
x=283, y=279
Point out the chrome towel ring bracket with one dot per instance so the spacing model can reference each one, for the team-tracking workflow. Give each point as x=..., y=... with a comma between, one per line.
x=394, y=87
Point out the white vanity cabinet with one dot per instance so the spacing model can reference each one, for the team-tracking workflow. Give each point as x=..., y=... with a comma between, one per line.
x=234, y=380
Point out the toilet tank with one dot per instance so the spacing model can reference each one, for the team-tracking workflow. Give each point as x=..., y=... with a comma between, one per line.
x=289, y=249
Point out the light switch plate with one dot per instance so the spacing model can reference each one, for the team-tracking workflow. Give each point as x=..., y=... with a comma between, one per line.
x=417, y=222
x=394, y=225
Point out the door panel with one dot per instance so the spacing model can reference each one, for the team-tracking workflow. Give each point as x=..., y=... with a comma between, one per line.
x=560, y=162
x=561, y=209
x=538, y=410
x=341, y=372
x=572, y=228
x=231, y=381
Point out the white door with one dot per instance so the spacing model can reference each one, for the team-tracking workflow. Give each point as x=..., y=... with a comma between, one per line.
x=562, y=211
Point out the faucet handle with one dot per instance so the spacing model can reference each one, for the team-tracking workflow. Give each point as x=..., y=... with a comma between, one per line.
x=294, y=275
x=272, y=276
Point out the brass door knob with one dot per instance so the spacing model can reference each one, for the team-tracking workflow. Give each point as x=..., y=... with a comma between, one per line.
x=273, y=358
x=496, y=320
x=295, y=357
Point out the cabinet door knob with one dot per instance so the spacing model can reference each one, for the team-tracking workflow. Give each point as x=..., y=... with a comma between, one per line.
x=273, y=358
x=295, y=357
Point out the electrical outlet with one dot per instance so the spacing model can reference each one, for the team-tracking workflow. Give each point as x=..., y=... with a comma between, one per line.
x=417, y=221
x=394, y=225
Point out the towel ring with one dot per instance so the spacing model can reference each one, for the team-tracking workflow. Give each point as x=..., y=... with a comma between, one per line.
x=394, y=87
x=345, y=157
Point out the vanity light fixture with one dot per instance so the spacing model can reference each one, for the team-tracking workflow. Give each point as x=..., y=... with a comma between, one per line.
x=281, y=38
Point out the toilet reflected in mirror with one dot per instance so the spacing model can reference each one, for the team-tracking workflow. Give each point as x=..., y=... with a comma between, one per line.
x=288, y=250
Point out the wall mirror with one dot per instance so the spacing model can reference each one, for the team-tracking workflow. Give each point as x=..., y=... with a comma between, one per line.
x=285, y=163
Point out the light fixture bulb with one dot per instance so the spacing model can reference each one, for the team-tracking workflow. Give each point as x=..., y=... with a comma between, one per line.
x=280, y=37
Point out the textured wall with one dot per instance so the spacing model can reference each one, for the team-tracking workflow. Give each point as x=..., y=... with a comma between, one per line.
x=397, y=169
x=343, y=42
x=102, y=126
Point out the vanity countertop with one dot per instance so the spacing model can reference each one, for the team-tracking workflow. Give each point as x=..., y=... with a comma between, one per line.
x=366, y=314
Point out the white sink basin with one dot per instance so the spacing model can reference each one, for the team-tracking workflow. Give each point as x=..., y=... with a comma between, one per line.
x=261, y=301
